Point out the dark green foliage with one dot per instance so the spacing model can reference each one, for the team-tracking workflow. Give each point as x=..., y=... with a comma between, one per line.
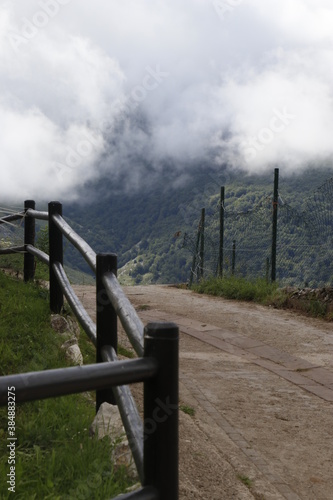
x=42, y=240
x=151, y=225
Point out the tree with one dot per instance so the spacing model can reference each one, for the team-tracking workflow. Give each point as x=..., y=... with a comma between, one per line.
x=43, y=239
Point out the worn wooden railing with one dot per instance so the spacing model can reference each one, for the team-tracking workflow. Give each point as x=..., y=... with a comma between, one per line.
x=153, y=442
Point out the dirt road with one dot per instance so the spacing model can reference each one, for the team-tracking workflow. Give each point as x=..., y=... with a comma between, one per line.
x=261, y=383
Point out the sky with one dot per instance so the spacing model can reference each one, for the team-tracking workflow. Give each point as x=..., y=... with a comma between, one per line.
x=127, y=89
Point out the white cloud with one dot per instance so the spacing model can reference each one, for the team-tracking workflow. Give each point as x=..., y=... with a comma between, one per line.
x=69, y=68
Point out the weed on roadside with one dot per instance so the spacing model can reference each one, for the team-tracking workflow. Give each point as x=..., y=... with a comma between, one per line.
x=188, y=410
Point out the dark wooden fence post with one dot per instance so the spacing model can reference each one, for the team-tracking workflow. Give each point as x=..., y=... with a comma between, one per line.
x=56, y=255
x=161, y=411
x=29, y=239
x=106, y=319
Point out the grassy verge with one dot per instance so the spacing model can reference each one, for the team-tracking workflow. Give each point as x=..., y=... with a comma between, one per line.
x=264, y=293
x=14, y=263
x=55, y=458
x=238, y=289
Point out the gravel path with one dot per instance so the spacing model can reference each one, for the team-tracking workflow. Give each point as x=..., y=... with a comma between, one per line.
x=261, y=383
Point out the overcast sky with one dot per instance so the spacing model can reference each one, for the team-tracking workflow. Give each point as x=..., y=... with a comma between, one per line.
x=127, y=87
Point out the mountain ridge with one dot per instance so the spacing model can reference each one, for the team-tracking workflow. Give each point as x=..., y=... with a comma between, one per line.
x=146, y=228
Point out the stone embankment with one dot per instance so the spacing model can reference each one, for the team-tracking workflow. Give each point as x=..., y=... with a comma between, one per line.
x=315, y=301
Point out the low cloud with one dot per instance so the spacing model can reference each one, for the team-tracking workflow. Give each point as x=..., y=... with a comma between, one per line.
x=128, y=89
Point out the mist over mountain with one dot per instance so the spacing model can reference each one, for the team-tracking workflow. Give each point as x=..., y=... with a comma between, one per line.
x=129, y=90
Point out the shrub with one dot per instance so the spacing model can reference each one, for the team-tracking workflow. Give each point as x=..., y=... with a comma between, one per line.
x=237, y=288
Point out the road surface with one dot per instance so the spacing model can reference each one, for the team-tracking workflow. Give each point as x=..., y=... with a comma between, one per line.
x=261, y=383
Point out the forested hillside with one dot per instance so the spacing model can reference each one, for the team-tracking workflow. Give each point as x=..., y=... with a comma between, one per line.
x=147, y=228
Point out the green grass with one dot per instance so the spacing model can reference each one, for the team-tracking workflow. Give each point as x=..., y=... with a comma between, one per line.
x=314, y=307
x=125, y=352
x=14, y=262
x=187, y=409
x=143, y=307
x=245, y=480
x=263, y=293
x=237, y=288
x=55, y=456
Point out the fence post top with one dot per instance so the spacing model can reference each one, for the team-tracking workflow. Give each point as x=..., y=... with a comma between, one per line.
x=106, y=262
x=105, y=255
x=29, y=203
x=161, y=330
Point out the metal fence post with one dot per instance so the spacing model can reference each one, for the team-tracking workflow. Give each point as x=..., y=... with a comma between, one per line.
x=56, y=255
x=194, y=260
x=274, y=223
x=202, y=243
x=29, y=239
x=161, y=411
x=106, y=319
x=221, y=245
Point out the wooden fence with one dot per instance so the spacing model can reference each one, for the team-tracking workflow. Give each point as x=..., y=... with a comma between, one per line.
x=153, y=442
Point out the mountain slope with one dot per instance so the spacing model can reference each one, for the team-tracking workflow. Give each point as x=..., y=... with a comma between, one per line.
x=146, y=228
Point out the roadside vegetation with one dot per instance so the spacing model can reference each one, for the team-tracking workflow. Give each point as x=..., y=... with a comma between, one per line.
x=55, y=456
x=14, y=264
x=269, y=294
x=238, y=288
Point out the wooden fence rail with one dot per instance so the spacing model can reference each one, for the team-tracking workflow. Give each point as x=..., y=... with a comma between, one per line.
x=153, y=442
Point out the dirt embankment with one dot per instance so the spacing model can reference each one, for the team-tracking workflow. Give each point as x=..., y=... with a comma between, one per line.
x=260, y=382
x=317, y=302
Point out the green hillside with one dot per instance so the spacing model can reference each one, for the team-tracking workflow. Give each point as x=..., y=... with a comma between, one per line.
x=146, y=229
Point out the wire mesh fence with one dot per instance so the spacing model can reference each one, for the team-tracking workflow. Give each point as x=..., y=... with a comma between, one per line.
x=304, y=254
x=11, y=232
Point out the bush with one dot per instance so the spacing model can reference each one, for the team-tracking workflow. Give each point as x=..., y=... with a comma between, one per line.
x=237, y=288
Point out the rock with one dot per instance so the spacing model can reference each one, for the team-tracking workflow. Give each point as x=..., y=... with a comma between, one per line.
x=73, y=353
x=59, y=323
x=108, y=423
x=73, y=327
x=70, y=342
x=63, y=325
x=133, y=488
